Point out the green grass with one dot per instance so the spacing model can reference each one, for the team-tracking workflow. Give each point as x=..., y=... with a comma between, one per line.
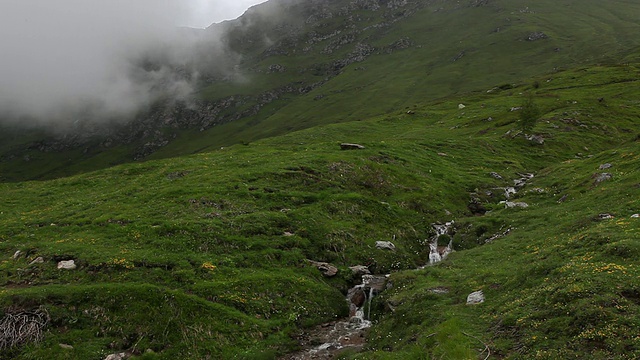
x=205, y=255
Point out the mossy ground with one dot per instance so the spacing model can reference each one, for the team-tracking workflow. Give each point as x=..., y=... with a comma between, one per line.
x=204, y=256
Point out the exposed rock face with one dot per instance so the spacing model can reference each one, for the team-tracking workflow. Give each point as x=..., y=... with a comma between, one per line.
x=475, y=298
x=385, y=245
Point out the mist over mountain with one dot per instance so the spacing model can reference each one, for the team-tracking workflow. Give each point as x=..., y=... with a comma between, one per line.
x=97, y=61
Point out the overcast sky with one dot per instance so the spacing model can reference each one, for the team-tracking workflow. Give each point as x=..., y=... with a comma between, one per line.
x=59, y=52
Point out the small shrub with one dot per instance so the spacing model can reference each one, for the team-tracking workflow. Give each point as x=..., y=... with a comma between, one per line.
x=529, y=114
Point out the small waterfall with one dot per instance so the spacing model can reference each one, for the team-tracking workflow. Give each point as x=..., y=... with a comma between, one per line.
x=439, y=253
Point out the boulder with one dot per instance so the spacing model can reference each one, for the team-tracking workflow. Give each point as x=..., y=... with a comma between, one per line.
x=326, y=269
x=66, y=346
x=348, y=146
x=461, y=106
x=385, y=245
x=360, y=270
x=605, y=216
x=475, y=298
x=635, y=216
x=17, y=254
x=67, y=265
x=357, y=296
x=377, y=283
x=605, y=166
x=538, y=139
x=117, y=356
x=495, y=175
x=512, y=204
x=602, y=177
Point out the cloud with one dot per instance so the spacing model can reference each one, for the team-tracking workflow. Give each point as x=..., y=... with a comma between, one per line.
x=101, y=59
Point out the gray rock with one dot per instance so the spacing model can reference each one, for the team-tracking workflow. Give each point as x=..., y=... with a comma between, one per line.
x=537, y=35
x=475, y=298
x=377, y=283
x=348, y=146
x=67, y=265
x=495, y=175
x=605, y=166
x=17, y=254
x=66, y=346
x=38, y=260
x=117, y=356
x=635, y=216
x=385, y=245
x=360, y=270
x=538, y=139
x=511, y=204
x=326, y=269
x=602, y=177
x=605, y=216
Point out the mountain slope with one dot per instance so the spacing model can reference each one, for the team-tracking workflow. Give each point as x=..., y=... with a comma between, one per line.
x=206, y=255
x=302, y=64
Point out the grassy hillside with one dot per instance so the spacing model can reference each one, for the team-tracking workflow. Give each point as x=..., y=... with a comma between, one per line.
x=205, y=256
x=305, y=64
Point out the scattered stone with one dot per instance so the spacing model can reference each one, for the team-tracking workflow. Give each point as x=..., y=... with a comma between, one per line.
x=67, y=265
x=511, y=204
x=38, y=260
x=563, y=198
x=538, y=139
x=66, y=346
x=475, y=298
x=17, y=254
x=509, y=191
x=461, y=106
x=385, y=245
x=496, y=176
x=602, y=177
x=635, y=216
x=288, y=234
x=348, y=146
x=442, y=154
x=516, y=108
x=605, y=216
x=326, y=269
x=410, y=112
x=439, y=290
x=605, y=166
x=117, y=356
x=360, y=270
x=537, y=35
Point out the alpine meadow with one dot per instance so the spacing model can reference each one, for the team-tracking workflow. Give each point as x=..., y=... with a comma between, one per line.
x=344, y=179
